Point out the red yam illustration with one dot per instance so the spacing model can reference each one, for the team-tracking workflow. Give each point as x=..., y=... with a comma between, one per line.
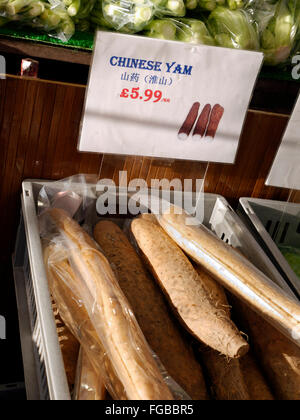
x=215, y=118
x=201, y=124
x=189, y=122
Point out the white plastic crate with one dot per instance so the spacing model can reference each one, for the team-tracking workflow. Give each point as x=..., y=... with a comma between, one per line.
x=44, y=347
x=274, y=223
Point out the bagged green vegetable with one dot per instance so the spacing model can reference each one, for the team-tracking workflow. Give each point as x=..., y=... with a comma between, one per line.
x=278, y=24
x=96, y=17
x=169, y=8
x=46, y=16
x=79, y=9
x=128, y=16
x=292, y=255
x=184, y=29
x=194, y=31
x=161, y=29
x=235, y=4
x=210, y=5
x=233, y=29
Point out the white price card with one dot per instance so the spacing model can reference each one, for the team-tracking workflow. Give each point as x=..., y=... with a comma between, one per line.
x=285, y=171
x=168, y=99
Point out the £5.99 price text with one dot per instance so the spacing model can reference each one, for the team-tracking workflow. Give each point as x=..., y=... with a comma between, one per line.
x=146, y=96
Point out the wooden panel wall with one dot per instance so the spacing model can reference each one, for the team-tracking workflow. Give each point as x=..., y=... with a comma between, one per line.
x=39, y=124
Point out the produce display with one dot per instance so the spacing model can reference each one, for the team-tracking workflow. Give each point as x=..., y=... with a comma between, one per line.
x=96, y=311
x=189, y=297
x=270, y=26
x=233, y=29
x=151, y=310
x=48, y=16
x=234, y=272
x=127, y=16
x=153, y=323
x=278, y=25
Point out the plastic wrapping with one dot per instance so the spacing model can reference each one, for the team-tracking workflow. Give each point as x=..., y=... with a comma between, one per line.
x=180, y=369
x=234, y=272
x=127, y=16
x=47, y=16
x=68, y=252
x=97, y=19
x=233, y=29
x=189, y=292
x=93, y=306
x=89, y=384
x=210, y=5
x=131, y=16
x=278, y=24
x=69, y=346
x=187, y=30
x=169, y=8
x=79, y=9
x=270, y=26
x=162, y=29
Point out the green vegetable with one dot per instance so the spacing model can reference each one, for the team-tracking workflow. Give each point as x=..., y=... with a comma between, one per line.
x=210, y=4
x=36, y=9
x=234, y=4
x=13, y=7
x=56, y=22
x=161, y=28
x=233, y=29
x=191, y=4
x=194, y=31
x=74, y=7
x=97, y=18
x=81, y=9
x=184, y=29
x=292, y=255
x=169, y=7
x=40, y=14
x=48, y=20
x=22, y=9
x=128, y=15
x=279, y=34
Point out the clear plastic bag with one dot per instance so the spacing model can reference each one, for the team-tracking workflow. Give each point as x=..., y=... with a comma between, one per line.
x=127, y=16
x=133, y=16
x=47, y=16
x=89, y=298
x=97, y=19
x=278, y=24
x=210, y=5
x=233, y=29
x=234, y=271
x=169, y=8
x=185, y=29
x=94, y=308
x=79, y=9
x=89, y=384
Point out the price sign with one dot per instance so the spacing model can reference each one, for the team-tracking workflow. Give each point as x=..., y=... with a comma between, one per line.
x=166, y=99
x=285, y=171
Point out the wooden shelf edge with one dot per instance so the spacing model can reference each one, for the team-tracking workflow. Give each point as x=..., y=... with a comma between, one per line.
x=40, y=50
